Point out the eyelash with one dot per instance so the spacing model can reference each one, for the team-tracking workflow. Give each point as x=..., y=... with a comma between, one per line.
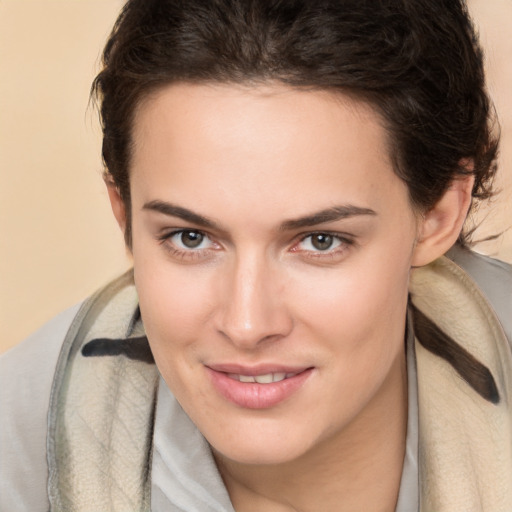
x=345, y=242
x=184, y=254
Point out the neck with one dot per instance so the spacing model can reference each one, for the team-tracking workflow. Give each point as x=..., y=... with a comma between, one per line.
x=357, y=469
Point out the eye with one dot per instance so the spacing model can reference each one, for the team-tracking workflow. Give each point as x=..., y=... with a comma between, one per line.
x=188, y=245
x=320, y=242
x=188, y=239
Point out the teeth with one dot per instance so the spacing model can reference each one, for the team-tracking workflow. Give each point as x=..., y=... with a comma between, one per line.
x=267, y=378
x=264, y=379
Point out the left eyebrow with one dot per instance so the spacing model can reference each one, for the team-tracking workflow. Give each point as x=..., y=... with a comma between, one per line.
x=328, y=215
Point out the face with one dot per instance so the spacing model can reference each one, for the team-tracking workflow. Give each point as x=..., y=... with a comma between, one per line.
x=272, y=244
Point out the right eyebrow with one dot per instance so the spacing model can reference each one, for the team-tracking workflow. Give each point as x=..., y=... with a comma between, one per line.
x=173, y=210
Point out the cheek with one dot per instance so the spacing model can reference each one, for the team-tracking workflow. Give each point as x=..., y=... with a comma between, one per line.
x=360, y=326
x=357, y=297
x=358, y=313
x=175, y=307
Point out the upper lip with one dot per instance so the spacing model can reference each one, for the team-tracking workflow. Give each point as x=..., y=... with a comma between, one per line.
x=254, y=370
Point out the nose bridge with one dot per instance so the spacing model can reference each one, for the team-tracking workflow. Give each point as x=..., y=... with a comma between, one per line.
x=253, y=309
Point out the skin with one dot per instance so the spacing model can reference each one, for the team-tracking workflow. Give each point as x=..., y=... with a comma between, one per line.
x=249, y=162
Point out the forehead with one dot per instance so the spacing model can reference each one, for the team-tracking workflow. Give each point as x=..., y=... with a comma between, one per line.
x=267, y=143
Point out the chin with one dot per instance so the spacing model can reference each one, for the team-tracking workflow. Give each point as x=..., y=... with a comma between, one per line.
x=264, y=446
x=255, y=455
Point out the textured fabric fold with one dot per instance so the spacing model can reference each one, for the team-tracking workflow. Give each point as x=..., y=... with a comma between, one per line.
x=465, y=441
x=101, y=413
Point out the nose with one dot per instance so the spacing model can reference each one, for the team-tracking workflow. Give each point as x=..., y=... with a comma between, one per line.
x=253, y=304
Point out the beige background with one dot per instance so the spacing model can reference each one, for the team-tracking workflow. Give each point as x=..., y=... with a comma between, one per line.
x=58, y=239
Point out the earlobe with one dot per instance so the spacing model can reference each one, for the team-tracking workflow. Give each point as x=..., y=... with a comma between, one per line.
x=441, y=225
x=117, y=203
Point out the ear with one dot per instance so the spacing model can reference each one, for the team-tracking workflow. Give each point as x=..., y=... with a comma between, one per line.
x=116, y=203
x=440, y=227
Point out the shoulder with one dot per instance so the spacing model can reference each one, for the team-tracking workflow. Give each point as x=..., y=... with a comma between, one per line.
x=493, y=277
x=26, y=376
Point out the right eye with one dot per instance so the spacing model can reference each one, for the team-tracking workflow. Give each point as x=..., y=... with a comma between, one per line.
x=190, y=239
x=188, y=245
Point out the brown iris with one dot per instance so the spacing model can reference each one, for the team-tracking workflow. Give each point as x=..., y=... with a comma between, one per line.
x=321, y=241
x=191, y=239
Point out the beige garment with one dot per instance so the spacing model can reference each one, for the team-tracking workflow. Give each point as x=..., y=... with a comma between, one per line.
x=465, y=441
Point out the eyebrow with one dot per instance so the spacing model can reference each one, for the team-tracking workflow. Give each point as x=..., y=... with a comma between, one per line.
x=180, y=212
x=328, y=215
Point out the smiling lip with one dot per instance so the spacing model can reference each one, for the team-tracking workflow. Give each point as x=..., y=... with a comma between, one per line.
x=272, y=384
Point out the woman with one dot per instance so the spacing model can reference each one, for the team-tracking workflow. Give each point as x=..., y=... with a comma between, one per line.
x=288, y=177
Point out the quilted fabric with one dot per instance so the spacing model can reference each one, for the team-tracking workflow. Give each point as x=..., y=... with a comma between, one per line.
x=102, y=408
x=465, y=441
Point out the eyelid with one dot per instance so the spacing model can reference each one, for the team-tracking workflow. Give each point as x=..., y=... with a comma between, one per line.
x=343, y=237
x=184, y=253
x=336, y=242
x=169, y=233
x=182, y=247
x=345, y=242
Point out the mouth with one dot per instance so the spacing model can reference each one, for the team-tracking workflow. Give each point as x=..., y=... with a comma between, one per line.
x=266, y=378
x=258, y=388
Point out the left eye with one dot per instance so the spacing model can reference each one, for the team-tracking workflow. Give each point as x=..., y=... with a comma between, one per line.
x=190, y=239
x=322, y=242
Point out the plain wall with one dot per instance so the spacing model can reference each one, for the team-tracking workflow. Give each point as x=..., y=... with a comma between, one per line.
x=58, y=239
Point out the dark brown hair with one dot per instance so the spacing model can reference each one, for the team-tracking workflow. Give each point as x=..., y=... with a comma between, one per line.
x=417, y=62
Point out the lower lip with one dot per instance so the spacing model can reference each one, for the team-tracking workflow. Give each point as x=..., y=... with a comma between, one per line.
x=252, y=395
